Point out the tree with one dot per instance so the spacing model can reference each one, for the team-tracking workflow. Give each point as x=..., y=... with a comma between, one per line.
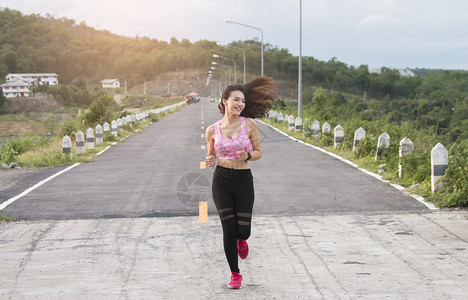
x=99, y=111
x=2, y=100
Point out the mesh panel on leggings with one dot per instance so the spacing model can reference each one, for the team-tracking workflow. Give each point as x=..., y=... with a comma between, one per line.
x=226, y=214
x=243, y=218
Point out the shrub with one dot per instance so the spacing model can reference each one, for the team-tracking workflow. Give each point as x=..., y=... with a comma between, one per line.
x=417, y=166
x=47, y=154
x=8, y=153
x=127, y=127
x=15, y=147
x=153, y=117
x=326, y=139
x=366, y=147
x=109, y=137
x=101, y=110
x=49, y=124
x=69, y=127
x=455, y=191
x=68, y=94
x=389, y=156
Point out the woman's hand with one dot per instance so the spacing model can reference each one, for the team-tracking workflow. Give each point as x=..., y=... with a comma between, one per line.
x=210, y=160
x=242, y=155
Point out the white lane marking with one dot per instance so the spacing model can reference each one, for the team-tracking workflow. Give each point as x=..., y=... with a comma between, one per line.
x=397, y=186
x=11, y=200
x=99, y=153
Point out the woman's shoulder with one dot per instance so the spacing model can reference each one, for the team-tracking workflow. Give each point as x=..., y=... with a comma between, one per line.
x=251, y=122
x=211, y=129
x=251, y=125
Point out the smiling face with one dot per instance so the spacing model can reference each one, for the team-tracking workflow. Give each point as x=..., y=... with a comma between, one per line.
x=235, y=104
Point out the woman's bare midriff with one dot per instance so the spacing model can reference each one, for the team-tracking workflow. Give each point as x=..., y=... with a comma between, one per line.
x=233, y=164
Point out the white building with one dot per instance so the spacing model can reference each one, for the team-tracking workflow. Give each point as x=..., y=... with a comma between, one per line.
x=37, y=78
x=110, y=83
x=16, y=88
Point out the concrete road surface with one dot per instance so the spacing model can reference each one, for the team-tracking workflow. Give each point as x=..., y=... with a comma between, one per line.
x=126, y=226
x=345, y=256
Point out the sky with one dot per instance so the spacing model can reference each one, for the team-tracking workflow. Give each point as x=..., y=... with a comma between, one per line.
x=390, y=33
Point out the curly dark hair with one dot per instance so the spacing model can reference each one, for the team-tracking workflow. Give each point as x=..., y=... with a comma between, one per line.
x=259, y=96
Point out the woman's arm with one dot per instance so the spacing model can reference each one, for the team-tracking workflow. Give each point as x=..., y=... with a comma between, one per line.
x=210, y=159
x=252, y=129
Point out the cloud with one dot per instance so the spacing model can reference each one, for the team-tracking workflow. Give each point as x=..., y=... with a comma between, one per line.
x=374, y=19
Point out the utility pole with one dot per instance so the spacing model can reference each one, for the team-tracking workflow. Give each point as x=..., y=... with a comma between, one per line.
x=299, y=94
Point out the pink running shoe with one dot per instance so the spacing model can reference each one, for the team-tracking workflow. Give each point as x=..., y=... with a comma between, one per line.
x=236, y=280
x=242, y=249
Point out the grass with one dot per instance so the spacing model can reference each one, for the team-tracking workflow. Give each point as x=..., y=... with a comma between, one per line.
x=19, y=124
x=5, y=218
x=31, y=123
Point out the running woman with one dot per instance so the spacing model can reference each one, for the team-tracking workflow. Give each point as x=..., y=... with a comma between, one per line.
x=235, y=141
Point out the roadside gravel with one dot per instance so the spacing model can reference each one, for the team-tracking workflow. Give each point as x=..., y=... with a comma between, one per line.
x=9, y=177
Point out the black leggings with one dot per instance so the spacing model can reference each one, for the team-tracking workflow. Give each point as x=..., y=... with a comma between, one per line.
x=233, y=195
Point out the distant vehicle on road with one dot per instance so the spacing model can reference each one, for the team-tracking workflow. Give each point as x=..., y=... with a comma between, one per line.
x=192, y=98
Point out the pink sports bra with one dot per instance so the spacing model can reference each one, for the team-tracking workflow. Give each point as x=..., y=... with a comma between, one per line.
x=226, y=148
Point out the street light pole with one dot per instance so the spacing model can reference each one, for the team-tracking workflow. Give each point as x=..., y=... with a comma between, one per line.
x=299, y=104
x=229, y=69
x=214, y=87
x=261, y=31
x=243, y=52
x=235, y=66
x=225, y=76
x=219, y=82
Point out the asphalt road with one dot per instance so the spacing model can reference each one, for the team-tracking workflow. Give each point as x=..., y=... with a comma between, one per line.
x=158, y=173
